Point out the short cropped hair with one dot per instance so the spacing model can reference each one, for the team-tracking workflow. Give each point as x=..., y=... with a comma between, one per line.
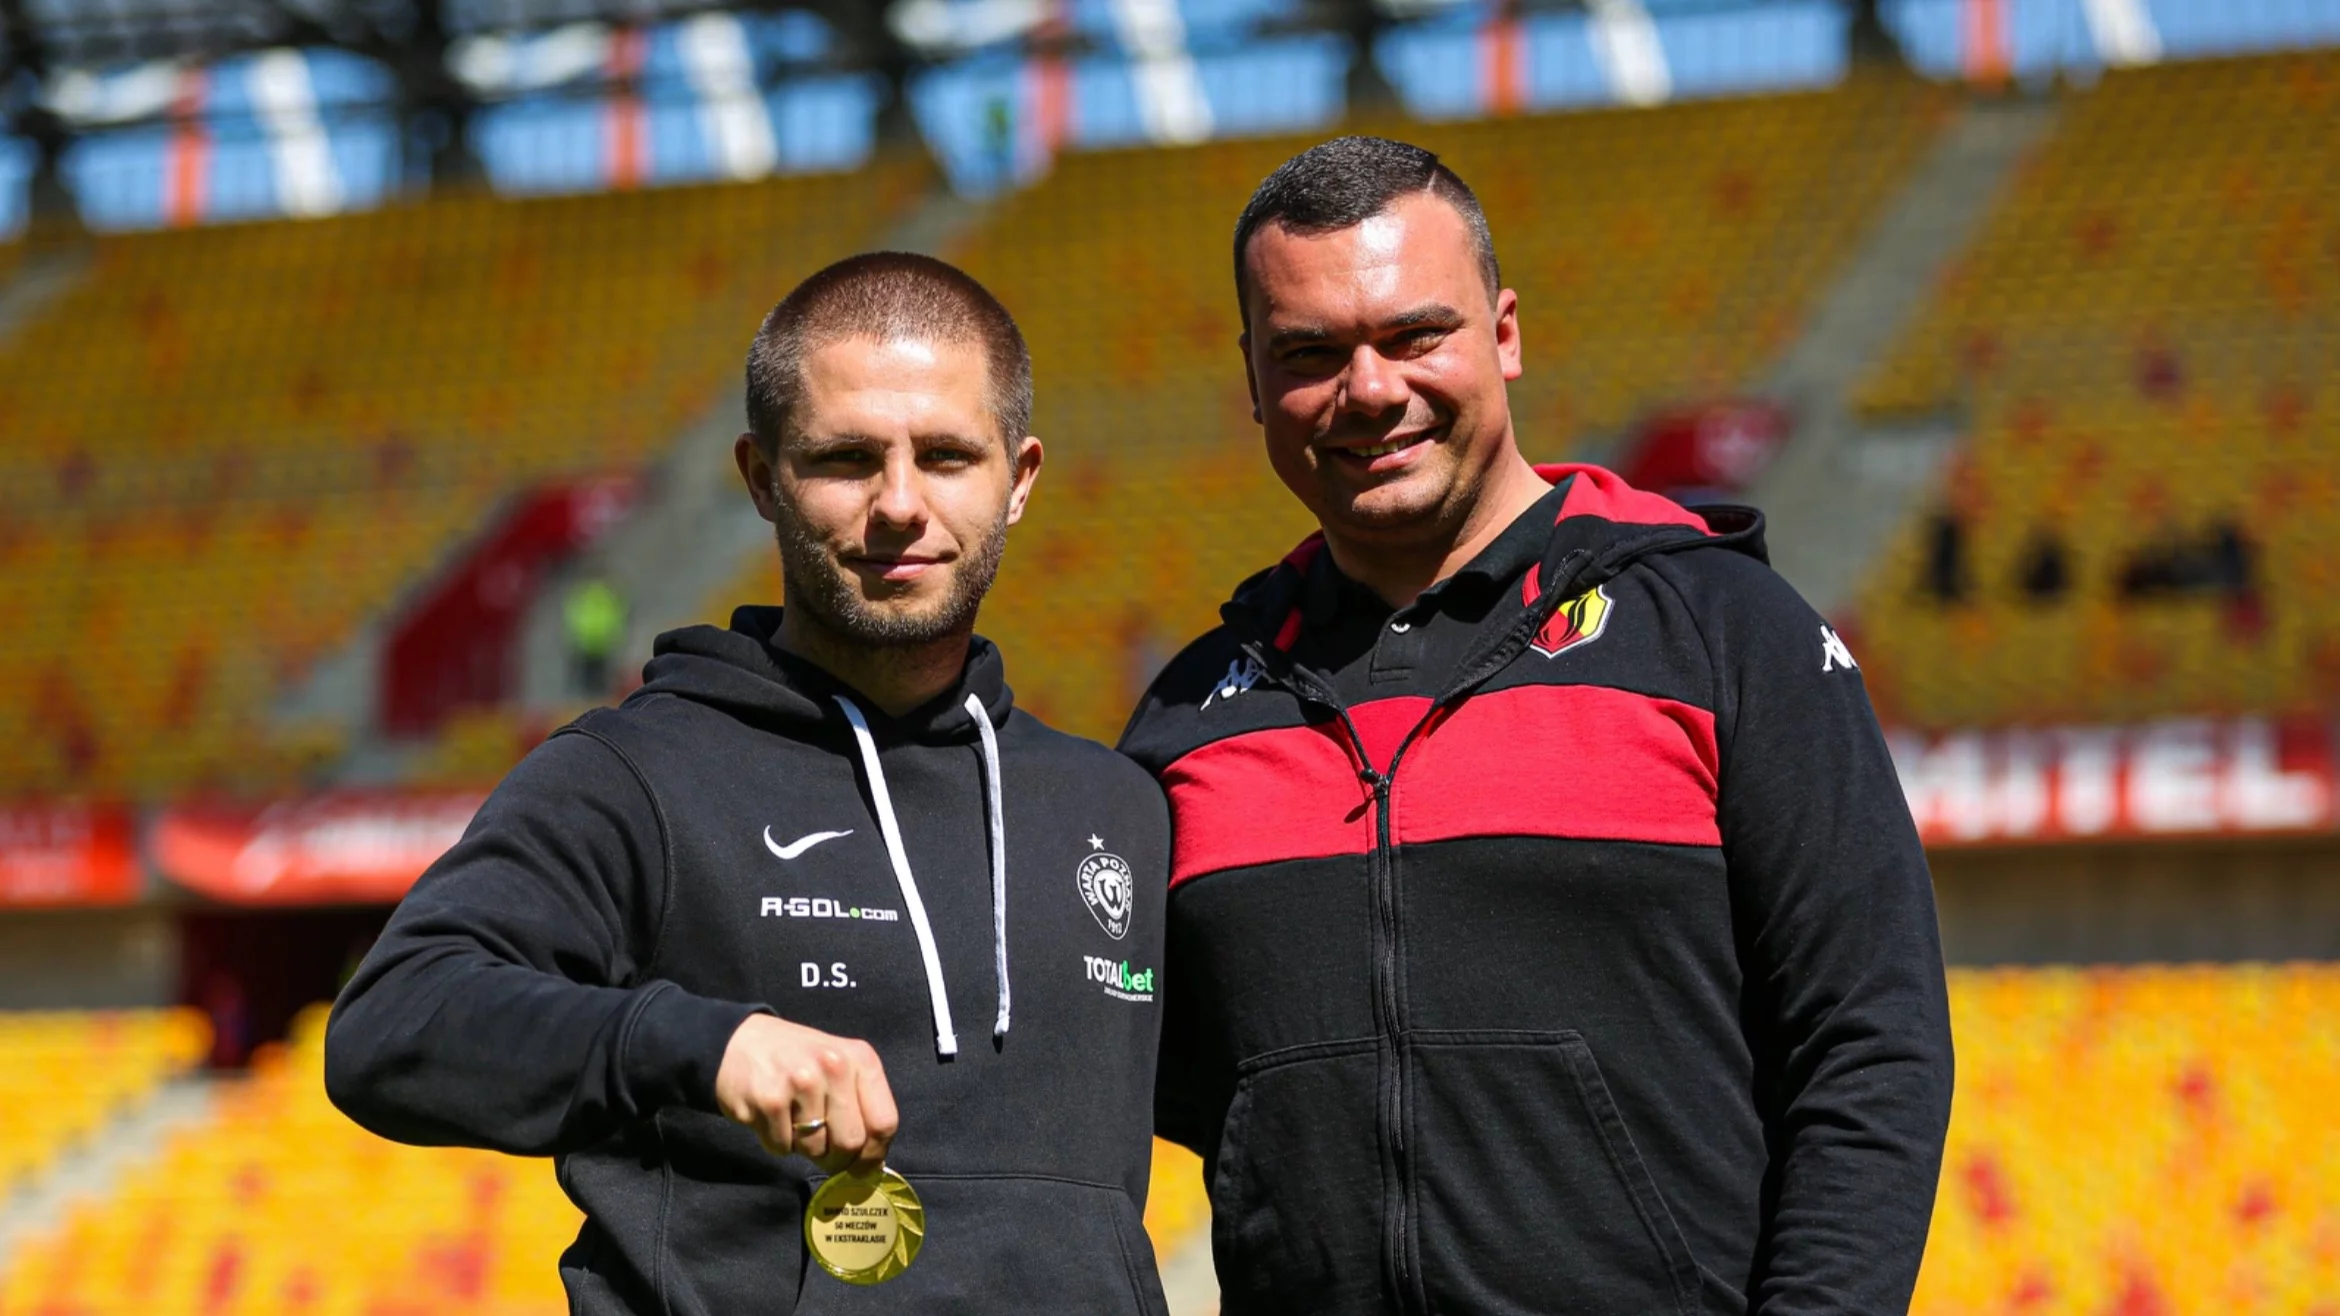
x=1344, y=182
x=890, y=296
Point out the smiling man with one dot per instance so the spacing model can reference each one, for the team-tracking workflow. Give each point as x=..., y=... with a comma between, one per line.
x=1547, y=929
x=817, y=897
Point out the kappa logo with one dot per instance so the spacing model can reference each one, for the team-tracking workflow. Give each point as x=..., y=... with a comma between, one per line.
x=1579, y=621
x=1833, y=654
x=1108, y=888
x=1242, y=674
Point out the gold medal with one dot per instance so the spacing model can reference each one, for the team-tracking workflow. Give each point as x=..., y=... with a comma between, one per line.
x=865, y=1230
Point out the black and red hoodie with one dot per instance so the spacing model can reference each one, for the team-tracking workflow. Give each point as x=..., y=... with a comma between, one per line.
x=1559, y=942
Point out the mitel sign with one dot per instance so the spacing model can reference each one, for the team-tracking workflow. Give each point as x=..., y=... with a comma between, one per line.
x=2183, y=776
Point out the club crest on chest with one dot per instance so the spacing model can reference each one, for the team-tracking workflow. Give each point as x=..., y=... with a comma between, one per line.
x=1579, y=621
x=1108, y=887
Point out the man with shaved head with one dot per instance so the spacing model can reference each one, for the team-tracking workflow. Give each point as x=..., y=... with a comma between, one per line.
x=816, y=900
x=1547, y=928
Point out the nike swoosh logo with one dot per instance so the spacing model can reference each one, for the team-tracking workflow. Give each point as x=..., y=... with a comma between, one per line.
x=801, y=843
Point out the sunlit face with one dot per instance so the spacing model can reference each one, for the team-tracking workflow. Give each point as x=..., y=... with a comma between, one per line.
x=1377, y=362
x=892, y=494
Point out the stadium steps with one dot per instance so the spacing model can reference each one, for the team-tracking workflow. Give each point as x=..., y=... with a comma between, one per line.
x=91, y=1171
x=1842, y=487
x=40, y=276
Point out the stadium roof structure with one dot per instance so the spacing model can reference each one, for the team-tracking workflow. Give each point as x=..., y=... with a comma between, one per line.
x=71, y=69
x=47, y=47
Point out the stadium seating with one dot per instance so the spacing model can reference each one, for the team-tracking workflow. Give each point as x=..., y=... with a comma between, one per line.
x=279, y=1206
x=2141, y=1141
x=64, y=1076
x=1659, y=254
x=230, y=445
x=2129, y=1140
x=2140, y=344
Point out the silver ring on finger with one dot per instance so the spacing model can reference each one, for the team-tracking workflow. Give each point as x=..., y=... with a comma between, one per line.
x=807, y=1128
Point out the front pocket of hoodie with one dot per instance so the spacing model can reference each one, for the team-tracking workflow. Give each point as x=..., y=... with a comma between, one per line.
x=1296, y=1186
x=1010, y=1243
x=1531, y=1197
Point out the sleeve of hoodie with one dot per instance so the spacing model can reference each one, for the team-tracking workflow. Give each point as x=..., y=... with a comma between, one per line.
x=1842, y=962
x=505, y=1004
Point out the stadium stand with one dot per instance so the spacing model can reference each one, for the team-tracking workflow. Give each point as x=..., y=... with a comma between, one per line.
x=224, y=1219
x=230, y=445
x=65, y=1076
x=2145, y=1139
x=2140, y=343
x=2140, y=1140
x=1660, y=254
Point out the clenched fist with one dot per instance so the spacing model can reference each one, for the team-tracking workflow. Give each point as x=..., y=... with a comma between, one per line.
x=777, y=1075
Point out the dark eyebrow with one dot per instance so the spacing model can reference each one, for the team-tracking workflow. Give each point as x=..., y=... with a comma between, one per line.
x=1296, y=334
x=1429, y=315
x=802, y=442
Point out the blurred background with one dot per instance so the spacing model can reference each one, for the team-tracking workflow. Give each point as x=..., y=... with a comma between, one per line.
x=368, y=370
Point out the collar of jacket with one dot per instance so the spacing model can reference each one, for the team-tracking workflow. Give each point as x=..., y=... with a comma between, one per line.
x=1609, y=522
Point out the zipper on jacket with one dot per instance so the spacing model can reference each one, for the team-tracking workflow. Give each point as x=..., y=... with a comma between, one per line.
x=1388, y=932
x=1388, y=1010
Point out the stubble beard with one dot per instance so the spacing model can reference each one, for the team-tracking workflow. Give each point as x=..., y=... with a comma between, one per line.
x=812, y=581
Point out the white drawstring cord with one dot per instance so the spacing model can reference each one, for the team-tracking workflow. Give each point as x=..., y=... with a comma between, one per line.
x=992, y=793
x=946, y=1039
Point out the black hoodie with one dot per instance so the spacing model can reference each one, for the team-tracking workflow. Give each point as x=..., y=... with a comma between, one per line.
x=564, y=981
x=1590, y=965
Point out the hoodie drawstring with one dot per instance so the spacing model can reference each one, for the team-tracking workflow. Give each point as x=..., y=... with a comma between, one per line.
x=946, y=1038
x=998, y=822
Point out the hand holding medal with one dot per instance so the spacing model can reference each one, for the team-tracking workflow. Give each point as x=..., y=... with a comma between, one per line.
x=807, y=1093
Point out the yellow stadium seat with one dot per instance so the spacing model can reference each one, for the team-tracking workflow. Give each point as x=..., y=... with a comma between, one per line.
x=2140, y=341
x=65, y=1075
x=236, y=443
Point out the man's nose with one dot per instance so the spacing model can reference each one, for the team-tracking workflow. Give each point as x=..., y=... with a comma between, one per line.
x=901, y=495
x=1374, y=384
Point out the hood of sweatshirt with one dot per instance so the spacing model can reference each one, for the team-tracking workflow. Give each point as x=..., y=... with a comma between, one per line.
x=743, y=672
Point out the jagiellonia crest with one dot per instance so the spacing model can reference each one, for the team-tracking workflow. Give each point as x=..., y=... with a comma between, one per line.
x=1109, y=889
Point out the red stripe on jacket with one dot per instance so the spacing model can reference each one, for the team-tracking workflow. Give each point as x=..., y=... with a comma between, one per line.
x=1574, y=761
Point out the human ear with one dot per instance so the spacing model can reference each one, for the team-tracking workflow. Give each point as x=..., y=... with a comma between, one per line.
x=756, y=471
x=1028, y=456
